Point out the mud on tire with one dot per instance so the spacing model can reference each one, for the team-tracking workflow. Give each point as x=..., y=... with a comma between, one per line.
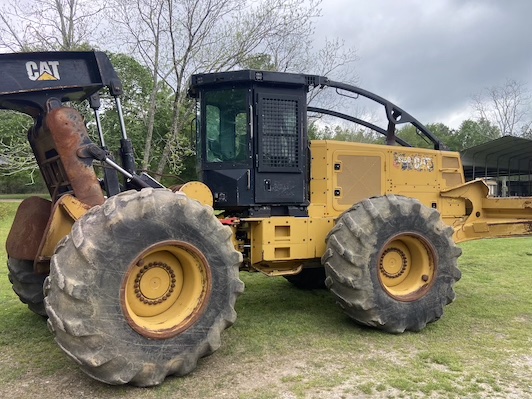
x=123, y=264
x=392, y=264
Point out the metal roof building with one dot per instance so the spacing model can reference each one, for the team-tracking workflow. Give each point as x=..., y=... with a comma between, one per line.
x=506, y=156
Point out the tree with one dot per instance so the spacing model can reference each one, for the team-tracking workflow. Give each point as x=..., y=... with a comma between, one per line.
x=335, y=61
x=49, y=24
x=18, y=169
x=440, y=130
x=37, y=26
x=507, y=106
x=261, y=62
x=143, y=25
x=14, y=145
x=137, y=83
x=412, y=136
x=176, y=38
x=472, y=133
x=469, y=134
x=342, y=133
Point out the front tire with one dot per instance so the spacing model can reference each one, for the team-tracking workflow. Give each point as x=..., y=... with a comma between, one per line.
x=392, y=264
x=143, y=287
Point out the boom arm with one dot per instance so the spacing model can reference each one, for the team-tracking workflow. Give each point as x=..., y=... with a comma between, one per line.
x=30, y=79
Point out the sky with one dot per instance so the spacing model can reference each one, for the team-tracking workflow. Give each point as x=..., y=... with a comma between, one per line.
x=430, y=56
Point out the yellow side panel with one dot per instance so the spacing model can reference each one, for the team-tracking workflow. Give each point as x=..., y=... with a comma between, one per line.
x=344, y=173
x=279, y=239
x=451, y=168
x=412, y=171
x=357, y=175
x=451, y=179
x=318, y=179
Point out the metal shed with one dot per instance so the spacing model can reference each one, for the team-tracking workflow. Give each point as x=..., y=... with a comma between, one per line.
x=508, y=159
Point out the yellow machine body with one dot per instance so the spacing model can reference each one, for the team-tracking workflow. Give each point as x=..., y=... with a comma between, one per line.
x=344, y=173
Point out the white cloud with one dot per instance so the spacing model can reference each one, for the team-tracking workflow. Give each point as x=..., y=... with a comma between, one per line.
x=430, y=56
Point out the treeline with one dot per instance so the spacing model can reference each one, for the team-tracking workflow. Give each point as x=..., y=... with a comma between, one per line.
x=26, y=178
x=470, y=133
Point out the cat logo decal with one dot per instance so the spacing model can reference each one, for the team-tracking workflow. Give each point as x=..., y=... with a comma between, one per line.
x=43, y=70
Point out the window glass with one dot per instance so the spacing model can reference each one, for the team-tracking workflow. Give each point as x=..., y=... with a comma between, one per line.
x=227, y=126
x=213, y=133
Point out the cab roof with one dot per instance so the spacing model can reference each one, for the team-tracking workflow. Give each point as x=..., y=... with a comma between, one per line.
x=254, y=76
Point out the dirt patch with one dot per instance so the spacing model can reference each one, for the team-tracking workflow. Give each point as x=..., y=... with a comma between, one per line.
x=311, y=375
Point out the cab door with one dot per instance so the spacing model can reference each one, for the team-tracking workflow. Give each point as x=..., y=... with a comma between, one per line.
x=281, y=147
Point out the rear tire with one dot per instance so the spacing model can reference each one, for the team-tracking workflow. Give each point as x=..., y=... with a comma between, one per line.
x=27, y=284
x=143, y=287
x=392, y=264
x=310, y=278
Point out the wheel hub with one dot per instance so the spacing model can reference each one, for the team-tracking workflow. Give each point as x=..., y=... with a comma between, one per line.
x=393, y=263
x=165, y=289
x=155, y=283
x=407, y=267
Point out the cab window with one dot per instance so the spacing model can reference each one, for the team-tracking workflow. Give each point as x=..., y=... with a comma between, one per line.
x=226, y=122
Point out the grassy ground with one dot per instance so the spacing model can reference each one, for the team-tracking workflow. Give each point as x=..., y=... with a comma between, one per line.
x=289, y=343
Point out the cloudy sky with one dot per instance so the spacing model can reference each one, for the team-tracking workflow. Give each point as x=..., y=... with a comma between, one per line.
x=430, y=57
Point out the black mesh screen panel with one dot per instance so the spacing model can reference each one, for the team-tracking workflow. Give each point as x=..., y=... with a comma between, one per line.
x=280, y=138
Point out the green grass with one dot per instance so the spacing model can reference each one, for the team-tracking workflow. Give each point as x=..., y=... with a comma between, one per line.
x=289, y=343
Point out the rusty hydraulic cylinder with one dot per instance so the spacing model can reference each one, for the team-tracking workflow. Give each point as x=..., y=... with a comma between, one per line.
x=67, y=128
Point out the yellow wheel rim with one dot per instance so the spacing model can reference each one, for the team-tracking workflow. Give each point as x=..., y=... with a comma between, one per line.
x=165, y=289
x=407, y=267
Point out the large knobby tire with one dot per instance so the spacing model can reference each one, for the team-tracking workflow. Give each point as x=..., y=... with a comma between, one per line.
x=311, y=277
x=143, y=287
x=27, y=284
x=392, y=264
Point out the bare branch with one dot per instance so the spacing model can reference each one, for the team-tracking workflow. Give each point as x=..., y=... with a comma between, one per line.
x=49, y=24
x=507, y=106
x=15, y=153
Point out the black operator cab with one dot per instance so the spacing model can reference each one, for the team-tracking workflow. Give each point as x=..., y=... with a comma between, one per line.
x=252, y=143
